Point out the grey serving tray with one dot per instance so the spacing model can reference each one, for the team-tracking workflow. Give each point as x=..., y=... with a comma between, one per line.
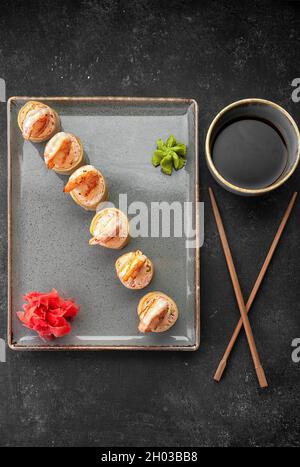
x=48, y=233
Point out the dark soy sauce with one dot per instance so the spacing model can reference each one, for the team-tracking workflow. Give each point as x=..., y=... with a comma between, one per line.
x=250, y=153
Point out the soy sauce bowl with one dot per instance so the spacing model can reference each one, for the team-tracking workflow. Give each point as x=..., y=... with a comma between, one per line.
x=263, y=165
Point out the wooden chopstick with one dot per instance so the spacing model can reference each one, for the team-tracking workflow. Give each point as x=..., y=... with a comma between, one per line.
x=260, y=277
x=238, y=293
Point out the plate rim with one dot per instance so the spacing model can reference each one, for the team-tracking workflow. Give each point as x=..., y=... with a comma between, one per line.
x=103, y=99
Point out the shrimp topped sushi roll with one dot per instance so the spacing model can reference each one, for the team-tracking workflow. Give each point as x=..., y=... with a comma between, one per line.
x=87, y=186
x=38, y=122
x=134, y=270
x=110, y=228
x=157, y=312
x=63, y=153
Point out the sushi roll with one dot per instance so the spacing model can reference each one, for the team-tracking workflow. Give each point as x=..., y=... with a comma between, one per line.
x=87, y=186
x=157, y=312
x=134, y=270
x=64, y=153
x=110, y=228
x=38, y=122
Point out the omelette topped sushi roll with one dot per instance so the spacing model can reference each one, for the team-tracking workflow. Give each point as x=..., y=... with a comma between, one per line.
x=87, y=186
x=134, y=270
x=38, y=122
x=110, y=228
x=157, y=312
x=63, y=153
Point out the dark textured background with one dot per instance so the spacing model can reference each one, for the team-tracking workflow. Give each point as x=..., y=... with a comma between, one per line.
x=215, y=52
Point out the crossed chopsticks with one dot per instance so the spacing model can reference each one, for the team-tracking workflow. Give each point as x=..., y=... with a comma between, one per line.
x=245, y=308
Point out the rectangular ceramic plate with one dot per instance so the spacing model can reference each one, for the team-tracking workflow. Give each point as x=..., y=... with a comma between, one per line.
x=49, y=233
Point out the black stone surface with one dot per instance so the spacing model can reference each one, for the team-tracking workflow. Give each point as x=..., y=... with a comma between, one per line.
x=216, y=52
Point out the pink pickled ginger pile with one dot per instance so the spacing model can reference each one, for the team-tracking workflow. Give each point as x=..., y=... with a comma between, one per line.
x=47, y=313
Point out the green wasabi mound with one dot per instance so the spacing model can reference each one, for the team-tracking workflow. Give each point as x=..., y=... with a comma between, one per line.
x=169, y=155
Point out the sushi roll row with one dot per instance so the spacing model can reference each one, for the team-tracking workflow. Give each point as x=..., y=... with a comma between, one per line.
x=109, y=228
